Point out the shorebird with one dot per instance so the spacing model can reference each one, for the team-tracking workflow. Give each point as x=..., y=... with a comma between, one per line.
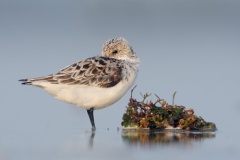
x=96, y=82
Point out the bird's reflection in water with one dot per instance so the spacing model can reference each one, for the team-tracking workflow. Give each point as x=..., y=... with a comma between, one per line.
x=91, y=139
x=165, y=137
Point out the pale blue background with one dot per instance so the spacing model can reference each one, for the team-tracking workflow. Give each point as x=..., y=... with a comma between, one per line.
x=188, y=46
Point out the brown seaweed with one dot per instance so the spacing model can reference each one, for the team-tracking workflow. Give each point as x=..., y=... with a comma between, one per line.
x=161, y=115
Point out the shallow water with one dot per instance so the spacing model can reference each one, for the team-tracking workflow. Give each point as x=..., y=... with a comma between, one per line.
x=117, y=144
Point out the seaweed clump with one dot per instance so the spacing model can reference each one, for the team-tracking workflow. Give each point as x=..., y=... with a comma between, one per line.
x=161, y=115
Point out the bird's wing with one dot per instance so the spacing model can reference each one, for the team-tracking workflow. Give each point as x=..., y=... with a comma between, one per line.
x=96, y=71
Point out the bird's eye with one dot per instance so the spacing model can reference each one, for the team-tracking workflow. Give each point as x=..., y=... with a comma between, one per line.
x=115, y=52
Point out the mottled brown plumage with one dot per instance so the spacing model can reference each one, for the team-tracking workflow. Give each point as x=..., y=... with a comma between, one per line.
x=95, y=71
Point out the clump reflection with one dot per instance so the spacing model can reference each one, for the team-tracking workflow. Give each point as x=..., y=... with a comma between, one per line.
x=164, y=137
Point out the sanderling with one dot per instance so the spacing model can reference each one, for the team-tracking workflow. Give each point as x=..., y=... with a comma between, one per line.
x=96, y=82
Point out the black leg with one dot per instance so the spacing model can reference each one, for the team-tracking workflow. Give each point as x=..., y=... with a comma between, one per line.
x=91, y=117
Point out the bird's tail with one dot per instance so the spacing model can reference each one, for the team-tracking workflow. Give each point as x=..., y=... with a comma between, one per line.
x=30, y=81
x=26, y=81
